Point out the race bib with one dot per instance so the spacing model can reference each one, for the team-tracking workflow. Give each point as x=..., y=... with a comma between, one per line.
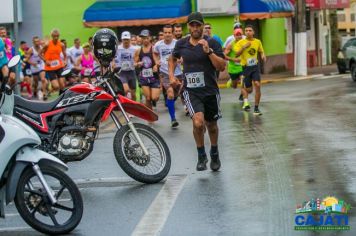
x=126, y=65
x=28, y=71
x=87, y=71
x=165, y=60
x=195, y=80
x=252, y=62
x=2, y=54
x=147, y=72
x=55, y=63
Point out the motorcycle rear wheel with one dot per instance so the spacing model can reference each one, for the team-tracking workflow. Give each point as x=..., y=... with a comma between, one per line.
x=36, y=209
x=131, y=159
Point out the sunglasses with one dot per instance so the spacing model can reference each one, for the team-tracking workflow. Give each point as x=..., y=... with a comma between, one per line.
x=207, y=27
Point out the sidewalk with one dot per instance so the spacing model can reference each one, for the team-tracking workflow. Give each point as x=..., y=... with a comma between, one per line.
x=288, y=75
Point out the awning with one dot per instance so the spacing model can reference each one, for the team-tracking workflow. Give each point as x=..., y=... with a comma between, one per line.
x=117, y=13
x=262, y=9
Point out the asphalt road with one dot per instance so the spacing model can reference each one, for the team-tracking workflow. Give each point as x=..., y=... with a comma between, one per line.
x=302, y=147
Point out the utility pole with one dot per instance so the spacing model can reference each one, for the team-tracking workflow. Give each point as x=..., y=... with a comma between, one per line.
x=17, y=43
x=300, y=47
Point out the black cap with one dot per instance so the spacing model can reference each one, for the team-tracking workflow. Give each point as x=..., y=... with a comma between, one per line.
x=196, y=17
x=145, y=33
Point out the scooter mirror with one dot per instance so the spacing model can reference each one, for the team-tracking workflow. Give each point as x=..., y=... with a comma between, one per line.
x=14, y=61
x=66, y=72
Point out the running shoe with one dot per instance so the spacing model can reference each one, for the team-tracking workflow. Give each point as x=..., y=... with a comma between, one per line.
x=201, y=165
x=174, y=123
x=246, y=106
x=241, y=98
x=215, y=163
x=257, y=112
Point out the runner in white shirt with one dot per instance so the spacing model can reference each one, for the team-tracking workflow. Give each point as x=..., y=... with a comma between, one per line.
x=75, y=52
x=124, y=60
x=231, y=38
x=37, y=67
x=162, y=51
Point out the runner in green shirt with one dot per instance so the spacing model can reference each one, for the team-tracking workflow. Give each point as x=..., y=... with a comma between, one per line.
x=234, y=66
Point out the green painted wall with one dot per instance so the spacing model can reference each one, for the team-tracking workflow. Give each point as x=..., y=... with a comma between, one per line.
x=221, y=25
x=273, y=36
x=67, y=16
x=194, y=5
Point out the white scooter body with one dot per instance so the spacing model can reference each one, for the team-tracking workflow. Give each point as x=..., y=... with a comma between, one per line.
x=18, y=151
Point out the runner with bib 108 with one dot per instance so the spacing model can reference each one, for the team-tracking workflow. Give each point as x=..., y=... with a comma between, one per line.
x=202, y=57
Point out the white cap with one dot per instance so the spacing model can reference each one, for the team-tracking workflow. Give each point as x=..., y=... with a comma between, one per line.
x=125, y=35
x=237, y=25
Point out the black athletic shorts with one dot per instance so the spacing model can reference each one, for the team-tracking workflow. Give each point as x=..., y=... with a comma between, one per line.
x=37, y=73
x=209, y=105
x=54, y=74
x=27, y=72
x=251, y=73
x=236, y=76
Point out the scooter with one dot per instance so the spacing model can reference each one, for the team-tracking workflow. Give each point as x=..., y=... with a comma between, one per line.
x=46, y=198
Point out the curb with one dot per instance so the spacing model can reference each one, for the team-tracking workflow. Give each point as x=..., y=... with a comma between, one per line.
x=268, y=81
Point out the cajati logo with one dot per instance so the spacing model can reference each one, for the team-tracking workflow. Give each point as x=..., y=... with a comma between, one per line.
x=329, y=213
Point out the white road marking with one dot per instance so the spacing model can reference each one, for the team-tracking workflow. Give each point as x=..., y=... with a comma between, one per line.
x=9, y=229
x=11, y=214
x=156, y=215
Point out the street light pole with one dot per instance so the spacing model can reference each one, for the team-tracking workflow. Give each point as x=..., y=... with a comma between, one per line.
x=17, y=43
x=300, y=47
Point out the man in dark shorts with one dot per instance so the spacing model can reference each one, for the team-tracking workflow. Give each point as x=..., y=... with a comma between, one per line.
x=148, y=76
x=248, y=50
x=202, y=57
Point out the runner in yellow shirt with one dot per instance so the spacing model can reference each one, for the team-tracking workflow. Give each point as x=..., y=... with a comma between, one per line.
x=248, y=50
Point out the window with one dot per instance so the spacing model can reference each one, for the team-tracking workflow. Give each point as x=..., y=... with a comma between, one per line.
x=341, y=17
x=352, y=17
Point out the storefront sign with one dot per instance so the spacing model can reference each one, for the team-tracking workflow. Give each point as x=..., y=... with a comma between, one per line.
x=327, y=4
x=228, y=7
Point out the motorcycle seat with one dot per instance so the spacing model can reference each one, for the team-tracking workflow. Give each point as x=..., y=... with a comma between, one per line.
x=36, y=107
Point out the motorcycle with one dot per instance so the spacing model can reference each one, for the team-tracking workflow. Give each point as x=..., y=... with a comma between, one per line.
x=45, y=197
x=69, y=125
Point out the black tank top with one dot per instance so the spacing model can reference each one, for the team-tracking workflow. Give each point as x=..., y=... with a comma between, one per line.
x=147, y=59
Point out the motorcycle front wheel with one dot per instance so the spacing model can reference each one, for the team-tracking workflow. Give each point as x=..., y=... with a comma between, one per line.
x=37, y=210
x=131, y=158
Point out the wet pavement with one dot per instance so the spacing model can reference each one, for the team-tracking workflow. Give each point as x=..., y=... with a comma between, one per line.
x=302, y=147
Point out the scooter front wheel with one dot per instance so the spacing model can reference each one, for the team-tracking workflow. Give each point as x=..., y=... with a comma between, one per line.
x=131, y=158
x=37, y=210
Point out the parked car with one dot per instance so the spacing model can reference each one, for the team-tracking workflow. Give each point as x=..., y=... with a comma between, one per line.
x=346, y=58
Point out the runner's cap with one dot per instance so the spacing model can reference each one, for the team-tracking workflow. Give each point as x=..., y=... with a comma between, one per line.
x=125, y=35
x=145, y=33
x=196, y=17
x=237, y=25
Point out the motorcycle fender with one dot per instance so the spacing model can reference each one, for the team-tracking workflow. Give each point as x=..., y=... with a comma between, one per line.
x=34, y=155
x=132, y=107
x=25, y=157
x=14, y=177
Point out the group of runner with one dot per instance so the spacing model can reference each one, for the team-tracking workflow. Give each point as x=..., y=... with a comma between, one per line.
x=188, y=66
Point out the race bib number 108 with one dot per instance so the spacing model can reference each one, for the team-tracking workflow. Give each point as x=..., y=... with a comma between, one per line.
x=195, y=80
